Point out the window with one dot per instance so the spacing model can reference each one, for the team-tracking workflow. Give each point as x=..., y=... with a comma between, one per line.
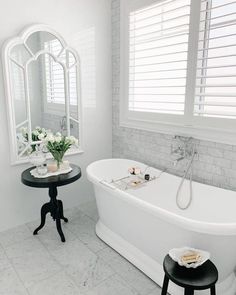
x=55, y=90
x=216, y=70
x=178, y=69
x=158, y=51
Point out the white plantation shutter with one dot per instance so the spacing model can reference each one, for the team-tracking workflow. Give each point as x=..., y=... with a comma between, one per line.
x=55, y=75
x=215, y=94
x=178, y=67
x=158, y=49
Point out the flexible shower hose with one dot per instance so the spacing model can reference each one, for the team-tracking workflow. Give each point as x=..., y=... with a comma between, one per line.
x=189, y=167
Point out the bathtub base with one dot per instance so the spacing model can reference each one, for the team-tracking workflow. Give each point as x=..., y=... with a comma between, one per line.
x=149, y=266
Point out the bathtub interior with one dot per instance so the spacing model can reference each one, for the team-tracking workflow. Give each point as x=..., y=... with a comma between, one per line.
x=112, y=169
x=210, y=204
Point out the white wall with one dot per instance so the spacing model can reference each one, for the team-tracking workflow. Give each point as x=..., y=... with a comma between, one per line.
x=72, y=19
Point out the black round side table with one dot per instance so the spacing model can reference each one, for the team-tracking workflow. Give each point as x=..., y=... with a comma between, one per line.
x=201, y=278
x=54, y=207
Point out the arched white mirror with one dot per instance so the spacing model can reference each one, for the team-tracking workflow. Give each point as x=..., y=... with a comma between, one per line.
x=42, y=81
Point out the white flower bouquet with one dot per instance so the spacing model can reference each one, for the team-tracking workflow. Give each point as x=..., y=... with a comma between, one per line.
x=58, y=144
x=38, y=134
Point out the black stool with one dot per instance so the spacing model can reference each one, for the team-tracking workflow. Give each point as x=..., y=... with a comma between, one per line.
x=200, y=278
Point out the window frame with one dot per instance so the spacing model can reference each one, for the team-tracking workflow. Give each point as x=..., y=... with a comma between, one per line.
x=204, y=128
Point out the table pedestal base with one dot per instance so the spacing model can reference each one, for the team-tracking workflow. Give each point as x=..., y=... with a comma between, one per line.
x=55, y=208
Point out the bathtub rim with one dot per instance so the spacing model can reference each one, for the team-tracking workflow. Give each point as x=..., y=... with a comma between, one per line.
x=213, y=228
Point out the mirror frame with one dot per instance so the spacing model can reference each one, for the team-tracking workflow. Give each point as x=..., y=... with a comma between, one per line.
x=7, y=47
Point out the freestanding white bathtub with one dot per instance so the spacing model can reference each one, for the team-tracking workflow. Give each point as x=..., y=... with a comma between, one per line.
x=144, y=224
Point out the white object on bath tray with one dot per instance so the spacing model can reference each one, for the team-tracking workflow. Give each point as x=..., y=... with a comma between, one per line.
x=177, y=255
x=34, y=173
x=134, y=170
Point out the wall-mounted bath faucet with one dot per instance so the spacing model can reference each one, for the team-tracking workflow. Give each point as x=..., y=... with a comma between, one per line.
x=181, y=148
x=63, y=124
x=184, y=148
x=177, y=160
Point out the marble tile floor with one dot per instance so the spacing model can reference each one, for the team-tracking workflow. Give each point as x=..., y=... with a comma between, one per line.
x=36, y=265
